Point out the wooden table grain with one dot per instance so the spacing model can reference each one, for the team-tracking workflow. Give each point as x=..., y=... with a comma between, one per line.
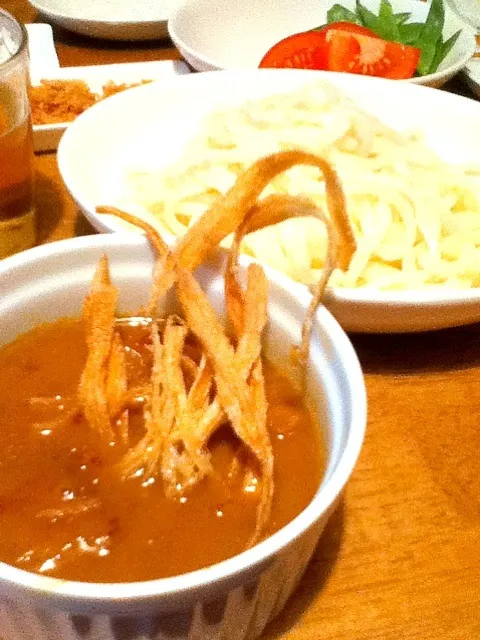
x=400, y=558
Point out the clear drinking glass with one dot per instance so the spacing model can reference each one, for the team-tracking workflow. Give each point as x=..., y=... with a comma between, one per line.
x=17, y=211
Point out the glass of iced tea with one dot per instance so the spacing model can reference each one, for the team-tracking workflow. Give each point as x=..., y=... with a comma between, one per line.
x=17, y=214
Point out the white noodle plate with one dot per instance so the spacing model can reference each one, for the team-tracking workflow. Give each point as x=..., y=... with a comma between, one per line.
x=106, y=143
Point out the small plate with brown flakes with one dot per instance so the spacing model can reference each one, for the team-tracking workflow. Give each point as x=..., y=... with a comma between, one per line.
x=60, y=95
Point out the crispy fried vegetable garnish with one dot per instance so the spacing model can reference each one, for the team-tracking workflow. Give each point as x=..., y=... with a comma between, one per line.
x=242, y=402
x=159, y=413
x=99, y=318
x=116, y=387
x=232, y=391
x=247, y=352
x=228, y=212
x=183, y=463
x=164, y=274
x=272, y=210
x=189, y=398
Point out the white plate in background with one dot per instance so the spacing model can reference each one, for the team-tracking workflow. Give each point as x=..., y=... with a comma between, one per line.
x=41, y=49
x=47, y=136
x=106, y=143
x=109, y=19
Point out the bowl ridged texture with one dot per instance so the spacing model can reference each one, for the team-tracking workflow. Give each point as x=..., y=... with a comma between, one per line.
x=240, y=615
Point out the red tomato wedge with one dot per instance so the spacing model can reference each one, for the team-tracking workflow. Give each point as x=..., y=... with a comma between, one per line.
x=357, y=53
x=346, y=47
x=308, y=50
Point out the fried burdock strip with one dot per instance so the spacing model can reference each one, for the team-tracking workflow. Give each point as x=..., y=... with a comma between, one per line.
x=164, y=270
x=257, y=389
x=99, y=318
x=174, y=337
x=158, y=413
x=168, y=446
x=183, y=463
x=272, y=210
x=229, y=210
x=239, y=401
x=237, y=373
x=248, y=346
x=116, y=387
x=199, y=393
x=204, y=324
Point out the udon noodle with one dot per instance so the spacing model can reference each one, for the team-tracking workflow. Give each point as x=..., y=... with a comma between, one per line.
x=416, y=218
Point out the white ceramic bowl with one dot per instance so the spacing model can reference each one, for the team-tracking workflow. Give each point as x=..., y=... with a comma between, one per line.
x=468, y=10
x=106, y=143
x=232, y=600
x=242, y=32
x=109, y=19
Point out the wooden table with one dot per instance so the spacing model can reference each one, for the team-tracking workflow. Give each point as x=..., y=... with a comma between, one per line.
x=400, y=559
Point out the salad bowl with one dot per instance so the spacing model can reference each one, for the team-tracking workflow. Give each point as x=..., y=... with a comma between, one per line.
x=226, y=47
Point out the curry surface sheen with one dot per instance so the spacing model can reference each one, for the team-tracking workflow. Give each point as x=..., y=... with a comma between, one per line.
x=66, y=512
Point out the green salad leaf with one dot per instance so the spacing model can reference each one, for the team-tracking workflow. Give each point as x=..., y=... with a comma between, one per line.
x=389, y=24
x=444, y=49
x=430, y=36
x=368, y=18
x=410, y=32
x=401, y=18
x=337, y=13
x=397, y=27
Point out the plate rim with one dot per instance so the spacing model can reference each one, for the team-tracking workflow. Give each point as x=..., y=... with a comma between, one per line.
x=43, y=7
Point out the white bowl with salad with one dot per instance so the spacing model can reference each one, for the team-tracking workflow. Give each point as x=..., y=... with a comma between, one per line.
x=421, y=42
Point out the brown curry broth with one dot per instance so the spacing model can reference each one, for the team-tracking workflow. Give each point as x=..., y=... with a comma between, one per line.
x=137, y=533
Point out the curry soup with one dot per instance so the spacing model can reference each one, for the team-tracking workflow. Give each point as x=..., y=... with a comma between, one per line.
x=66, y=512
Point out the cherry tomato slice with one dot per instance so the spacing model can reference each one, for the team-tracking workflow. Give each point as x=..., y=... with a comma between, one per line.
x=357, y=53
x=307, y=50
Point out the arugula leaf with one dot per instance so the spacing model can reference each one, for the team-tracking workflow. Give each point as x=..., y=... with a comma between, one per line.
x=337, y=13
x=443, y=50
x=409, y=33
x=401, y=18
x=433, y=27
x=387, y=20
x=386, y=24
x=368, y=18
x=430, y=36
x=427, y=56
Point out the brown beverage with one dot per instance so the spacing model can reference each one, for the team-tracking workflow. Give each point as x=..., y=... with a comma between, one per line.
x=17, y=224
x=17, y=220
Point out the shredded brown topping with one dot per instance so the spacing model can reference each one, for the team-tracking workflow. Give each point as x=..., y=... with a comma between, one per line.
x=57, y=101
x=188, y=399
